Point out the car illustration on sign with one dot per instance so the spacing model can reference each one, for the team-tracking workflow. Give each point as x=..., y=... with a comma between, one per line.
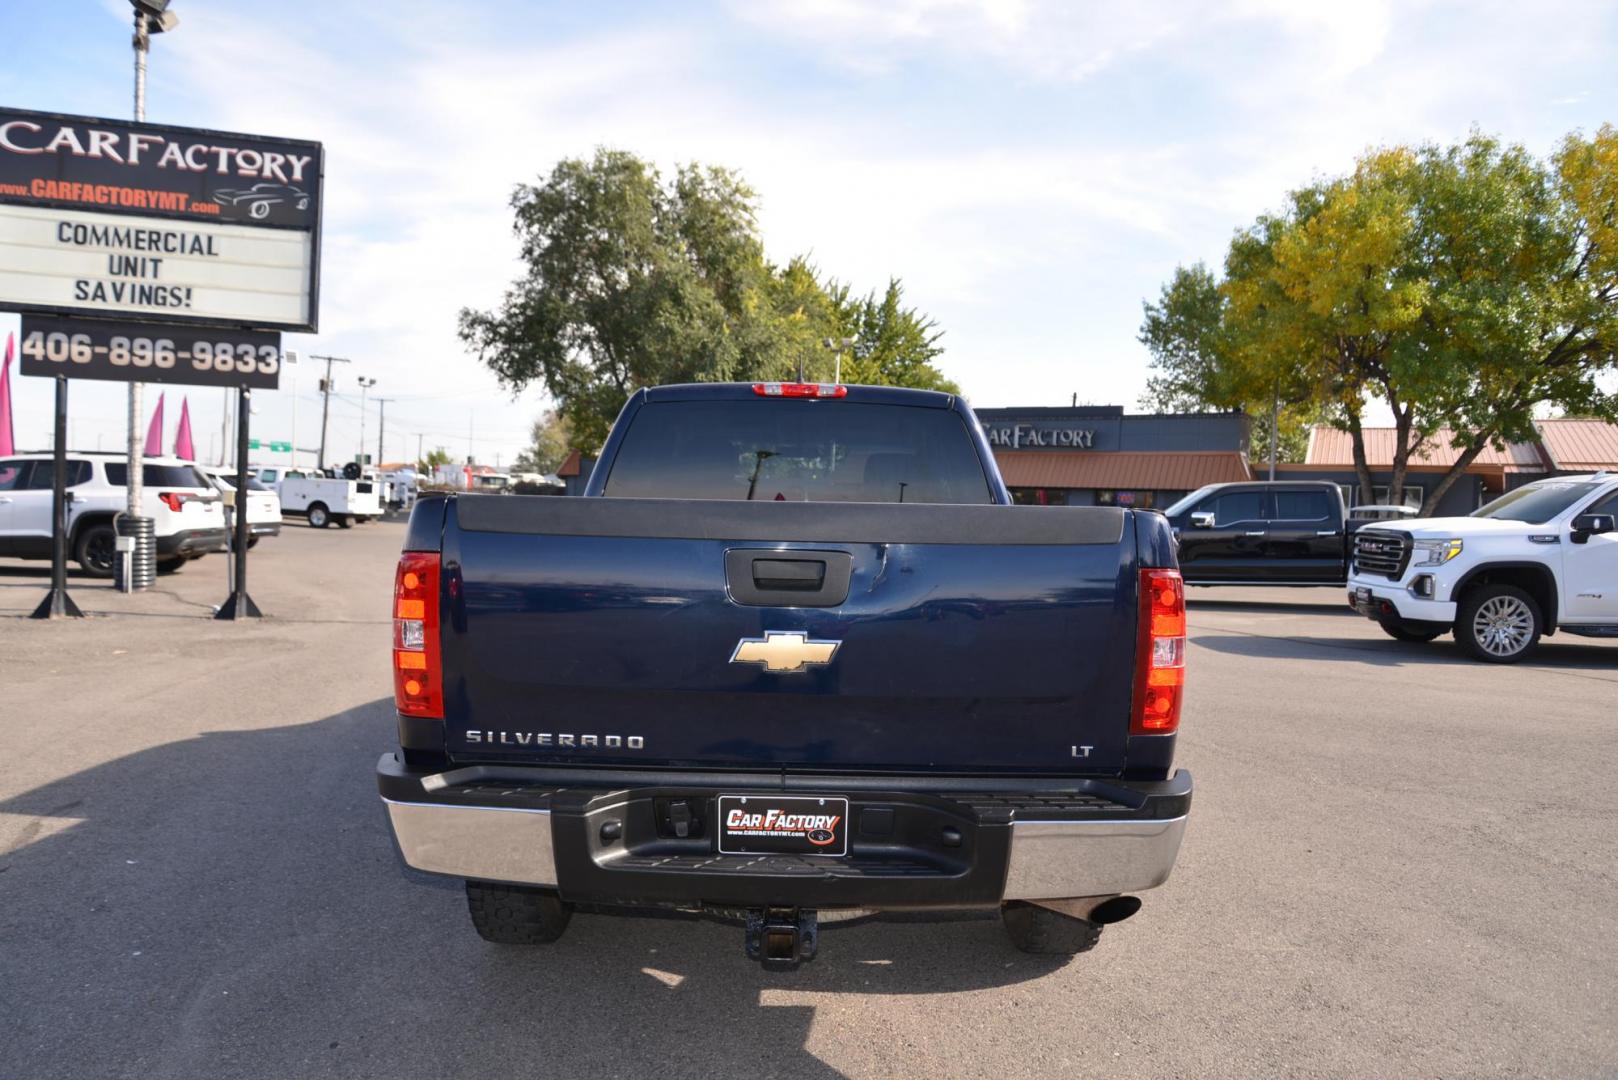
x=261, y=197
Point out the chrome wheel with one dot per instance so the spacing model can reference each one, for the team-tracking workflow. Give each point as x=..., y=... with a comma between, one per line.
x=1503, y=626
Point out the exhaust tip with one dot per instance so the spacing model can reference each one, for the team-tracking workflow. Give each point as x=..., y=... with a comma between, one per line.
x=1115, y=910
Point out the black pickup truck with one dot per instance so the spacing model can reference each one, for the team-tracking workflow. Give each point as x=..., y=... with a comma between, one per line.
x=794, y=652
x=1264, y=533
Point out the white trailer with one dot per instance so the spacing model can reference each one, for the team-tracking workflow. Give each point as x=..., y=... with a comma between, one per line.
x=323, y=500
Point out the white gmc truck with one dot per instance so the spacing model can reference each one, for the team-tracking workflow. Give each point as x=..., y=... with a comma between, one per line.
x=1541, y=558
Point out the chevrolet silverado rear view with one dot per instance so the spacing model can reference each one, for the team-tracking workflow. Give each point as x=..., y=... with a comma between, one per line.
x=794, y=653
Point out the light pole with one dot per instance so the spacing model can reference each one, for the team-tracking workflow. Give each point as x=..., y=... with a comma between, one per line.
x=151, y=17
x=365, y=384
x=838, y=345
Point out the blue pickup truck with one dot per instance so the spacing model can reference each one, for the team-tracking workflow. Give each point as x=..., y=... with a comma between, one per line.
x=795, y=656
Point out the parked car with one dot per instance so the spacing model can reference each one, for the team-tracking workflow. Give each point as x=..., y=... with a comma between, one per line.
x=263, y=504
x=794, y=652
x=182, y=504
x=1539, y=559
x=323, y=500
x=1264, y=533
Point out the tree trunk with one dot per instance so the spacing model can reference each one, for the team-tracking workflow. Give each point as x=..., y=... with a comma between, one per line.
x=1361, y=468
x=1275, y=423
x=1469, y=455
x=1401, y=456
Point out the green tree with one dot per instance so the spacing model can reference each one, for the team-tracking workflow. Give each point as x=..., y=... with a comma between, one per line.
x=1198, y=364
x=435, y=457
x=551, y=440
x=1461, y=287
x=1520, y=259
x=893, y=345
x=632, y=282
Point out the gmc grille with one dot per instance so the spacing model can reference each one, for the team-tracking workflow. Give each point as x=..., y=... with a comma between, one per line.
x=1385, y=553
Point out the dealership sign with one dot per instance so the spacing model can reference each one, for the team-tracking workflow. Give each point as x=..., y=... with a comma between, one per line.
x=1018, y=436
x=110, y=218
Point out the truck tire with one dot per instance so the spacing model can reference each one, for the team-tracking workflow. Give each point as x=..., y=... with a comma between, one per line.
x=1043, y=932
x=1498, y=624
x=344, y=521
x=516, y=914
x=319, y=516
x=1401, y=632
x=170, y=566
x=95, y=549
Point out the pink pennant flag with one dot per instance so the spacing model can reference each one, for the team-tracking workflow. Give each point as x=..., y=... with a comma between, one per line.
x=182, y=438
x=7, y=445
x=154, y=434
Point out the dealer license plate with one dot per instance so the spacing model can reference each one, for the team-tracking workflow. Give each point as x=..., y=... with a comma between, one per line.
x=1362, y=597
x=783, y=825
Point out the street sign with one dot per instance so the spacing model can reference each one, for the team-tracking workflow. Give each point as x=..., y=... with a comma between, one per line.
x=280, y=448
x=107, y=217
x=149, y=352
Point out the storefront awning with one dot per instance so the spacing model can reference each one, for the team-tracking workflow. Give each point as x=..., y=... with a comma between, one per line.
x=1123, y=470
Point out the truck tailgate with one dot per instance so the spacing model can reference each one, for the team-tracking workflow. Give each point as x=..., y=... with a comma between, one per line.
x=634, y=631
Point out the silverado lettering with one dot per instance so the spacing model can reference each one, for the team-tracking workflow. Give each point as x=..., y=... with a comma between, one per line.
x=543, y=738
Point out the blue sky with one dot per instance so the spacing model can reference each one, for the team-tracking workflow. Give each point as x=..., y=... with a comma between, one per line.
x=1032, y=171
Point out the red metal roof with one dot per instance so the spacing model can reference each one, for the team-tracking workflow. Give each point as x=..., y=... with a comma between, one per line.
x=1144, y=471
x=1330, y=447
x=1577, y=445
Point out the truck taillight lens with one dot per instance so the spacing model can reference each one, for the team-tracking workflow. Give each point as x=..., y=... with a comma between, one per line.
x=799, y=389
x=175, y=499
x=1160, y=656
x=418, y=678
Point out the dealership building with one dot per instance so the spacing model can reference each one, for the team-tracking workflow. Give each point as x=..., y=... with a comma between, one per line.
x=1098, y=456
x=1561, y=446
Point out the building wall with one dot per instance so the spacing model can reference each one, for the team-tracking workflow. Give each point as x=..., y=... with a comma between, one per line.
x=1463, y=497
x=1105, y=427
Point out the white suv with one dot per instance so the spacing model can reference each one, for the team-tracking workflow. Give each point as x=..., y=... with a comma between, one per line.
x=1541, y=558
x=185, y=509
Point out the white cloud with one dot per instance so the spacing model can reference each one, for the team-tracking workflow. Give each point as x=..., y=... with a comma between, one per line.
x=1032, y=169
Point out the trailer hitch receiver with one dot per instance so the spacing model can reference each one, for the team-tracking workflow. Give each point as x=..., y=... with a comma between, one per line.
x=781, y=938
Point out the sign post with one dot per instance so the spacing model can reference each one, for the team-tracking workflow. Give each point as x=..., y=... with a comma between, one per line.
x=58, y=604
x=239, y=605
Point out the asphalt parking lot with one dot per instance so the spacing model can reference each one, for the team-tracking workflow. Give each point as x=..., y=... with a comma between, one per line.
x=1400, y=862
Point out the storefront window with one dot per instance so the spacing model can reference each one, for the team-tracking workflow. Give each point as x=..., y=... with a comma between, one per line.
x=1039, y=496
x=1140, y=500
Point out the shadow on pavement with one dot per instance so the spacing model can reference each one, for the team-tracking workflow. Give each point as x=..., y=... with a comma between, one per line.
x=232, y=905
x=1311, y=607
x=1562, y=652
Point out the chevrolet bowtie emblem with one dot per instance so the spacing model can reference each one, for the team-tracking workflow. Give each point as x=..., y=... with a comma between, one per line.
x=783, y=650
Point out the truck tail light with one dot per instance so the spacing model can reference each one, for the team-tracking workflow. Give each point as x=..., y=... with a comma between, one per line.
x=799, y=389
x=1160, y=655
x=418, y=676
x=175, y=499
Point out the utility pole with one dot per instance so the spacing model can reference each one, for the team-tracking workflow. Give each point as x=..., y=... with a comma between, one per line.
x=365, y=384
x=381, y=426
x=418, y=448
x=325, y=403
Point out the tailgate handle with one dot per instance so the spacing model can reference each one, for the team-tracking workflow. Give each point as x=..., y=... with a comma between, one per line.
x=807, y=574
x=798, y=577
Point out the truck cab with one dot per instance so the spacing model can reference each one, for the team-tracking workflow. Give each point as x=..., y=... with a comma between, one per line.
x=1541, y=558
x=1281, y=533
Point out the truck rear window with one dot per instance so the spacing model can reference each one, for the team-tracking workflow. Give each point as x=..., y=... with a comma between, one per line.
x=797, y=451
